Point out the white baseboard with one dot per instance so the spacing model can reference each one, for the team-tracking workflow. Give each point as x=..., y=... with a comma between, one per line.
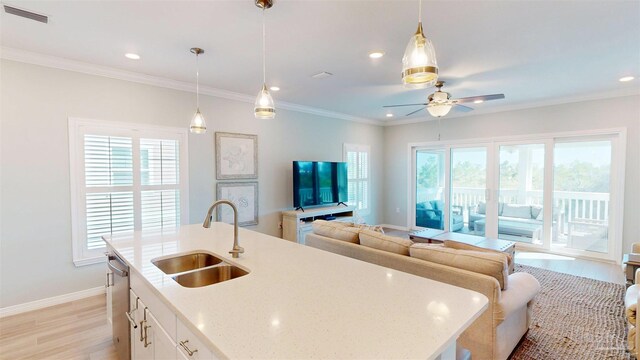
x=56, y=300
x=395, y=227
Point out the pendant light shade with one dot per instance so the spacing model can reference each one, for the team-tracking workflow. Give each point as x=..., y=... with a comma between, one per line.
x=198, y=125
x=264, y=108
x=419, y=65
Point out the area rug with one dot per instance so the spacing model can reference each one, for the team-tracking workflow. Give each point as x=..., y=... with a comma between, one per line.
x=574, y=318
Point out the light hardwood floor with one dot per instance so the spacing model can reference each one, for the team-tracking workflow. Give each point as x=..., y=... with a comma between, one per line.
x=73, y=330
x=79, y=329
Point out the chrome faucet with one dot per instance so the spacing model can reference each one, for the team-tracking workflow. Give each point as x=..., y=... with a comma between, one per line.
x=237, y=249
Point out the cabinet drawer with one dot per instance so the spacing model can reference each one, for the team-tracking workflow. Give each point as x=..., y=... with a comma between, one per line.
x=187, y=340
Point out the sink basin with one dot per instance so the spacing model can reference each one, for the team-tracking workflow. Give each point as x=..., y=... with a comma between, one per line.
x=209, y=276
x=182, y=263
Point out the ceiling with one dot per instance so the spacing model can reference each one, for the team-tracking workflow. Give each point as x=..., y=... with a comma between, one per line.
x=535, y=52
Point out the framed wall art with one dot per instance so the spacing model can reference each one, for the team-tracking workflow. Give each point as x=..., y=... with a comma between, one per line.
x=244, y=195
x=236, y=156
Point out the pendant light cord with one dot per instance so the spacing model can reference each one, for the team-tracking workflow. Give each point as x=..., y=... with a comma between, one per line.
x=420, y=11
x=197, y=83
x=264, y=51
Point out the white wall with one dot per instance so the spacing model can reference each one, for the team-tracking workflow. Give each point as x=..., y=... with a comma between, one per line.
x=601, y=114
x=35, y=248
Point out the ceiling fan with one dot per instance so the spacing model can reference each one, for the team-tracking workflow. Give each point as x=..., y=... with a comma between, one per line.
x=440, y=102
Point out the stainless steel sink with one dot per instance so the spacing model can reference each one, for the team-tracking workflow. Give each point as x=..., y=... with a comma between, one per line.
x=182, y=263
x=209, y=276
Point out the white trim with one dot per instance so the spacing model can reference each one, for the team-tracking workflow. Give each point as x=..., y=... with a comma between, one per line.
x=395, y=227
x=551, y=102
x=55, y=300
x=113, y=73
x=77, y=261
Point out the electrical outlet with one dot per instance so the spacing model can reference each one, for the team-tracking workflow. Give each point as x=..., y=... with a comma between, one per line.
x=280, y=225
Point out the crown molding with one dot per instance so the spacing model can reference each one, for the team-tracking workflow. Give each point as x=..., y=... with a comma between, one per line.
x=539, y=104
x=55, y=62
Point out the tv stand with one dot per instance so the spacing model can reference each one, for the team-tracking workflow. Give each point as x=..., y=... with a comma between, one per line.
x=342, y=204
x=297, y=223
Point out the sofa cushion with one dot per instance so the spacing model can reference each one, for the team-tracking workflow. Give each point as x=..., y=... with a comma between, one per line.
x=494, y=265
x=336, y=230
x=464, y=246
x=384, y=242
x=517, y=211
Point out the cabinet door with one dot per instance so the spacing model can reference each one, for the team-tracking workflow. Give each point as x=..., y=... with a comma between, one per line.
x=138, y=349
x=163, y=346
x=190, y=347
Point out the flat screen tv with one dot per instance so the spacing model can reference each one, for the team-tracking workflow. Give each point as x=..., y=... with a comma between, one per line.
x=319, y=183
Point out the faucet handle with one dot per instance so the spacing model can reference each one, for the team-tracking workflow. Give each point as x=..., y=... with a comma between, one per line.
x=236, y=251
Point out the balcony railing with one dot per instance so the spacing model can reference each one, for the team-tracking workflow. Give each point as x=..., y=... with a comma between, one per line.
x=574, y=205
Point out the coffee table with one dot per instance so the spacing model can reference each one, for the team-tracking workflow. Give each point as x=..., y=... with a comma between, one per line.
x=430, y=236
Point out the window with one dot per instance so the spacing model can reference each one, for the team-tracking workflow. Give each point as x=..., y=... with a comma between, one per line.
x=357, y=158
x=124, y=177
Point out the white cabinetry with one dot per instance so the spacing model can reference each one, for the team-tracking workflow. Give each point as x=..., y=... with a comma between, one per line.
x=297, y=223
x=159, y=334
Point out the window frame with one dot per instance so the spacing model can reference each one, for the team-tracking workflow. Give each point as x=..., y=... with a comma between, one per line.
x=78, y=127
x=360, y=148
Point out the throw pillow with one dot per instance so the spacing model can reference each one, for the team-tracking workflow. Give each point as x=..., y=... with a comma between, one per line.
x=494, y=265
x=535, y=211
x=481, y=208
x=336, y=230
x=383, y=242
x=431, y=214
x=517, y=211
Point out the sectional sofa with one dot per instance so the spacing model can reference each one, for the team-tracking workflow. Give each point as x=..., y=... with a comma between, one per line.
x=513, y=219
x=498, y=330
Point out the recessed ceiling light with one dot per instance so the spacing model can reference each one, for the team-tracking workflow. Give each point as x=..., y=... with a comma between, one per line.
x=389, y=115
x=132, y=56
x=274, y=88
x=478, y=101
x=626, y=78
x=377, y=54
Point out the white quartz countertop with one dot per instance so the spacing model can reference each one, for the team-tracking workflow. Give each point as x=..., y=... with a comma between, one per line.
x=299, y=302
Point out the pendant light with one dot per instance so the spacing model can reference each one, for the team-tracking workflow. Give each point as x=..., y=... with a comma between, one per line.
x=198, y=125
x=419, y=65
x=264, y=107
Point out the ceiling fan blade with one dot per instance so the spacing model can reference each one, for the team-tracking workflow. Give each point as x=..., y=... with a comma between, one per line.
x=463, y=108
x=404, y=105
x=413, y=112
x=479, y=98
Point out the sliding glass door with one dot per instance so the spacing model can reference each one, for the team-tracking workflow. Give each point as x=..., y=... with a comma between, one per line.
x=581, y=195
x=520, y=192
x=548, y=193
x=430, y=185
x=467, y=213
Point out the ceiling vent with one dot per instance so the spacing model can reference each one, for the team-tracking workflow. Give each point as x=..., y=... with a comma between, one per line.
x=26, y=14
x=322, y=75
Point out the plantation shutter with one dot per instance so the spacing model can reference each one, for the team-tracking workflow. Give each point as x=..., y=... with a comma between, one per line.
x=124, y=178
x=108, y=180
x=357, y=158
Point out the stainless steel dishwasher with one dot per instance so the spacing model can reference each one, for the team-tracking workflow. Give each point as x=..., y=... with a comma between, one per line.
x=120, y=305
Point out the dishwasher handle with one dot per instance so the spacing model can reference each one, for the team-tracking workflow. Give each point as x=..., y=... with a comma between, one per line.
x=120, y=272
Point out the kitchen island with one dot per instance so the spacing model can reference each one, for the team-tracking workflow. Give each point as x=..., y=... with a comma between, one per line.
x=299, y=302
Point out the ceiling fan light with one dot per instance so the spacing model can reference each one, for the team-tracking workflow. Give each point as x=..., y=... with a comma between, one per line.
x=439, y=109
x=419, y=65
x=264, y=107
x=198, y=125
